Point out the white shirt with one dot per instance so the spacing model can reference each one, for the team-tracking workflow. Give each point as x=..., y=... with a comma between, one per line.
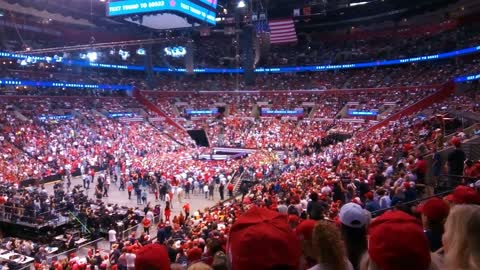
x=130, y=257
x=112, y=236
x=325, y=267
x=149, y=215
x=205, y=188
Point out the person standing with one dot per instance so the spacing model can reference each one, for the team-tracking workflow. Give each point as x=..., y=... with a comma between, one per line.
x=129, y=190
x=186, y=208
x=86, y=181
x=436, y=171
x=455, y=163
x=221, y=190
x=211, y=189
x=106, y=186
x=167, y=211
x=138, y=193
x=230, y=189
x=146, y=225
x=144, y=196
x=205, y=190
x=179, y=193
x=188, y=186
x=122, y=184
x=112, y=237
x=98, y=192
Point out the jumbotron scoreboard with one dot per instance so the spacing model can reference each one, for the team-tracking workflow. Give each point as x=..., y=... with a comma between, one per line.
x=201, y=10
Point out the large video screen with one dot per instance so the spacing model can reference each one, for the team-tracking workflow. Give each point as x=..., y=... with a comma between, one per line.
x=131, y=7
x=211, y=3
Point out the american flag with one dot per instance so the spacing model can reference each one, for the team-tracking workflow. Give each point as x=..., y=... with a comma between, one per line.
x=282, y=31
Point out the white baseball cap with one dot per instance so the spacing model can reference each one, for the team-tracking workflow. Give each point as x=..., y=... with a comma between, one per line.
x=353, y=215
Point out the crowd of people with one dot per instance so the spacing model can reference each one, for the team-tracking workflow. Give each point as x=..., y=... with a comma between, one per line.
x=324, y=189
x=383, y=169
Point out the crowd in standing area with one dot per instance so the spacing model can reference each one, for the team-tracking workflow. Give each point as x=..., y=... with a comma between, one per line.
x=337, y=188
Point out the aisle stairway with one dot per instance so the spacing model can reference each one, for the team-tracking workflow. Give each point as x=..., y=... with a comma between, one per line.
x=443, y=92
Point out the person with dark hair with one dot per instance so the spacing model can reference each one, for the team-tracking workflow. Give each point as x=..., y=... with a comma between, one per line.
x=434, y=213
x=354, y=220
x=455, y=163
x=315, y=208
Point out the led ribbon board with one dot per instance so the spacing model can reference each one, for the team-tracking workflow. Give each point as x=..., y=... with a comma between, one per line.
x=362, y=113
x=120, y=114
x=201, y=112
x=65, y=85
x=432, y=57
x=270, y=112
x=44, y=118
x=130, y=7
x=467, y=78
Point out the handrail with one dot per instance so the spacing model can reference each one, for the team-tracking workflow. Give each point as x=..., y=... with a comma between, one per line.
x=79, y=221
x=76, y=249
x=378, y=212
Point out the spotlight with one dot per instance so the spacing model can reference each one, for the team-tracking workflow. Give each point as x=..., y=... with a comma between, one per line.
x=92, y=56
x=141, y=51
x=241, y=4
x=124, y=54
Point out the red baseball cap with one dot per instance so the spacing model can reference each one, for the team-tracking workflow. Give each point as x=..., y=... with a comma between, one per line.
x=305, y=229
x=261, y=239
x=456, y=141
x=369, y=195
x=194, y=254
x=152, y=257
x=397, y=242
x=435, y=209
x=465, y=195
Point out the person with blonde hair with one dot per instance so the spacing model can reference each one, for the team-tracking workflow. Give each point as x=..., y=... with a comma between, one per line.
x=200, y=266
x=397, y=242
x=328, y=248
x=461, y=240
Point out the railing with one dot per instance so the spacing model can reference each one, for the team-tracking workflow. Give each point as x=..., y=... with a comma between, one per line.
x=65, y=253
x=12, y=214
x=123, y=235
x=79, y=221
x=445, y=191
x=409, y=203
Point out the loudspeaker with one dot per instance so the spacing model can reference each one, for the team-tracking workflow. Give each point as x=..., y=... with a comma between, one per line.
x=246, y=42
x=189, y=57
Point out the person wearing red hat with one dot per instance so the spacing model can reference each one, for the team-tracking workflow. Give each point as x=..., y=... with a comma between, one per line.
x=397, y=242
x=261, y=239
x=455, y=163
x=434, y=213
x=465, y=195
x=194, y=255
x=461, y=240
x=152, y=257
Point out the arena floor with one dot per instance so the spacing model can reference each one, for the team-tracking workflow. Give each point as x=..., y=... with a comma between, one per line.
x=121, y=198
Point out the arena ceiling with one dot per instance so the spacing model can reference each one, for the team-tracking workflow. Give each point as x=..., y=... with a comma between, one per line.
x=323, y=12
